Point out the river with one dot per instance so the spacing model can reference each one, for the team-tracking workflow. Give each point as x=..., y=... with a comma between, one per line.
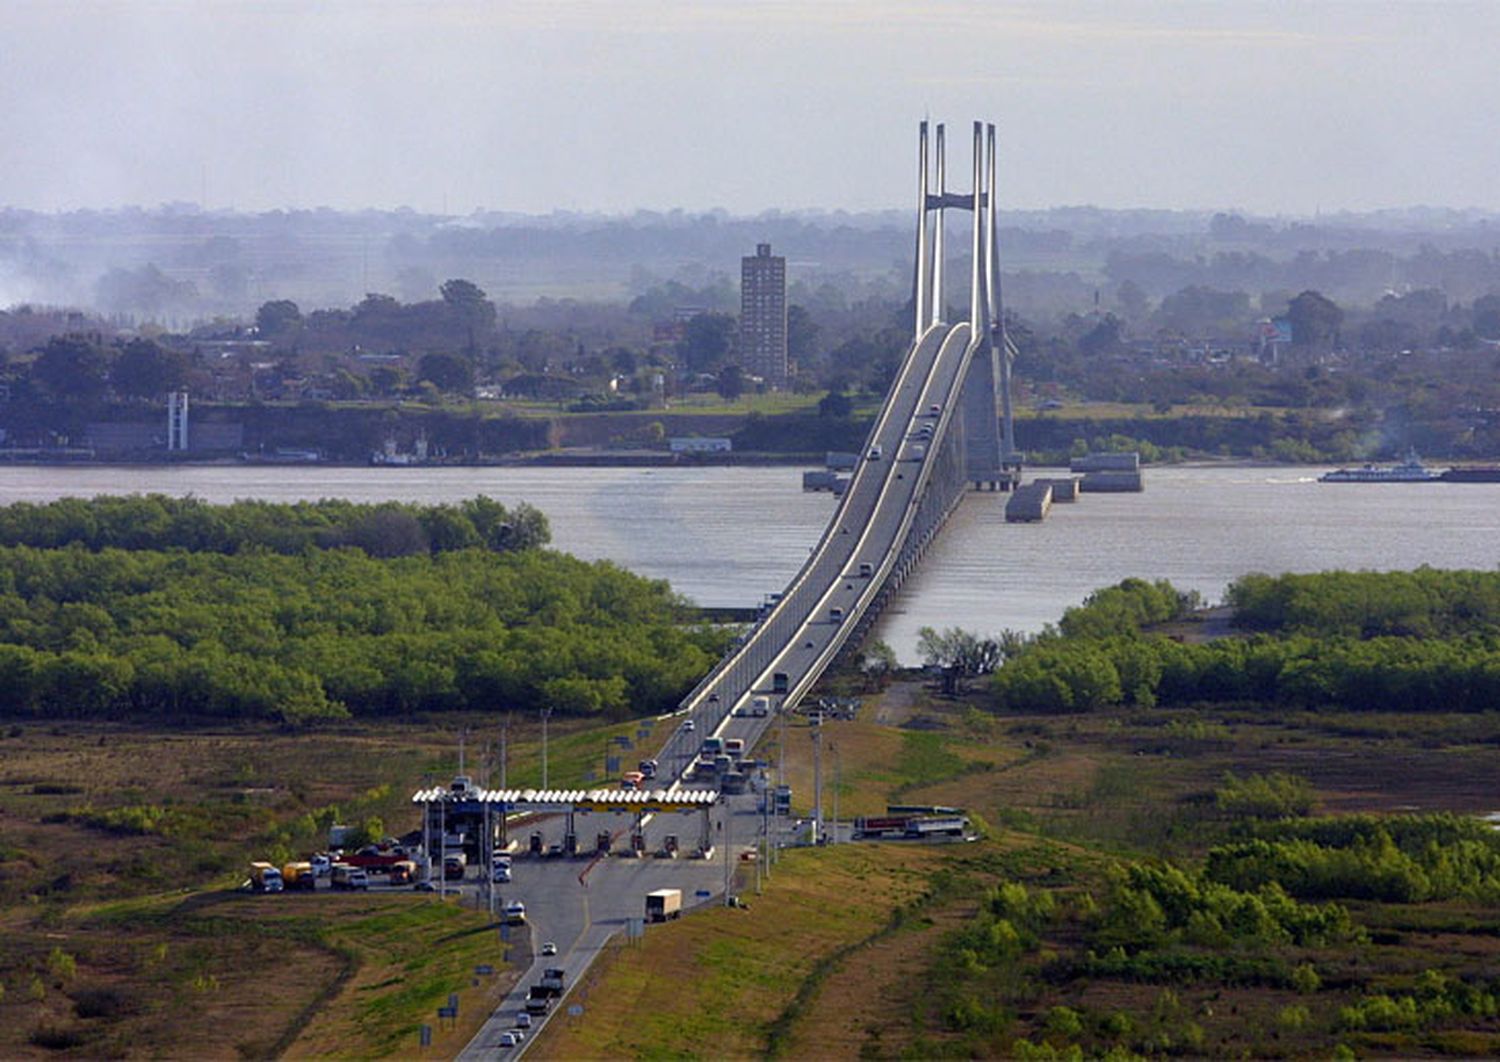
x=729, y=536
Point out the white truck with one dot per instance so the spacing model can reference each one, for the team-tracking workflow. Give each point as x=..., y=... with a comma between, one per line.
x=663, y=905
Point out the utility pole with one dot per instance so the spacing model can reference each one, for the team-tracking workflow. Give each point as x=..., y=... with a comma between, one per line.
x=817, y=744
x=725, y=825
x=838, y=764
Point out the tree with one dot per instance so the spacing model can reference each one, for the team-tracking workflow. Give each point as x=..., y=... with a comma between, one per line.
x=1315, y=320
x=731, y=382
x=278, y=321
x=835, y=404
x=959, y=653
x=146, y=370
x=801, y=334
x=707, y=341
x=447, y=372
x=71, y=368
x=1103, y=338
x=473, y=309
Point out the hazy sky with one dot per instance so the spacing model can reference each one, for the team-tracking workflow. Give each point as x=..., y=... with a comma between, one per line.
x=610, y=105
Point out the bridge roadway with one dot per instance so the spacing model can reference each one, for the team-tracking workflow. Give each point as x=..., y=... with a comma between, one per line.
x=799, y=637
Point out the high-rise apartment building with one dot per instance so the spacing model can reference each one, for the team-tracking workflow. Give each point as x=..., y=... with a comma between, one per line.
x=763, y=315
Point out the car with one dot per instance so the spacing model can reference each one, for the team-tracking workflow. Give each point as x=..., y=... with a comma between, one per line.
x=689, y=726
x=501, y=875
x=322, y=866
x=549, y=948
x=515, y=911
x=519, y=1033
x=875, y=452
x=554, y=849
x=523, y=1020
x=508, y=1039
x=935, y=409
x=424, y=886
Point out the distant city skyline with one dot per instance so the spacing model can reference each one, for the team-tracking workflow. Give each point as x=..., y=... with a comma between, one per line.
x=1266, y=107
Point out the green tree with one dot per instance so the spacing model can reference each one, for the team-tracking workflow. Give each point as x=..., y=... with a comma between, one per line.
x=145, y=369
x=278, y=321
x=71, y=368
x=452, y=373
x=1315, y=320
x=707, y=341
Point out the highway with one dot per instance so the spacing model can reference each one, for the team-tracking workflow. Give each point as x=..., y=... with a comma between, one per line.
x=580, y=903
x=804, y=631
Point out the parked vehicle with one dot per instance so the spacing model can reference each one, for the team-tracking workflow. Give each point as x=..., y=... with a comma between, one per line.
x=265, y=878
x=663, y=904
x=322, y=865
x=347, y=877
x=404, y=872
x=299, y=876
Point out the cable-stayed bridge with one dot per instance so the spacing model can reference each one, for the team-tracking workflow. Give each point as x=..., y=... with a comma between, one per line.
x=945, y=425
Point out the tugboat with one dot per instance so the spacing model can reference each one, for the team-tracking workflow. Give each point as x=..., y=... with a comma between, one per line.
x=1411, y=470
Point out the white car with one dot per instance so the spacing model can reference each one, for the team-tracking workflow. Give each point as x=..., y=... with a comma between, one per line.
x=508, y=1039
x=501, y=874
x=322, y=866
x=549, y=948
x=523, y=1020
x=689, y=726
x=515, y=911
x=519, y=1033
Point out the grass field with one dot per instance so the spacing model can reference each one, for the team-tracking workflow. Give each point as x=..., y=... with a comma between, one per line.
x=121, y=849
x=847, y=954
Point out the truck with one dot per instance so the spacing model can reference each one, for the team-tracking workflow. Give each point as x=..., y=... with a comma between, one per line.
x=265, y=878
x=779, y=682
x=347, y=877
x=299, y=876
x=663, y=905
x=734, y=747
x=375, y=860
x=538, y=1000
x=881, y=825
x=712, y=746
x=760, y=707
x=938, y=826
x=554, y=980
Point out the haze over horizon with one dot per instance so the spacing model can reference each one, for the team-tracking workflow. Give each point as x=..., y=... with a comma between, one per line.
x=590, y=106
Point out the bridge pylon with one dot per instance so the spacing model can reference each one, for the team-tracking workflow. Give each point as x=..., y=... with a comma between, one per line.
x=988, y=439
